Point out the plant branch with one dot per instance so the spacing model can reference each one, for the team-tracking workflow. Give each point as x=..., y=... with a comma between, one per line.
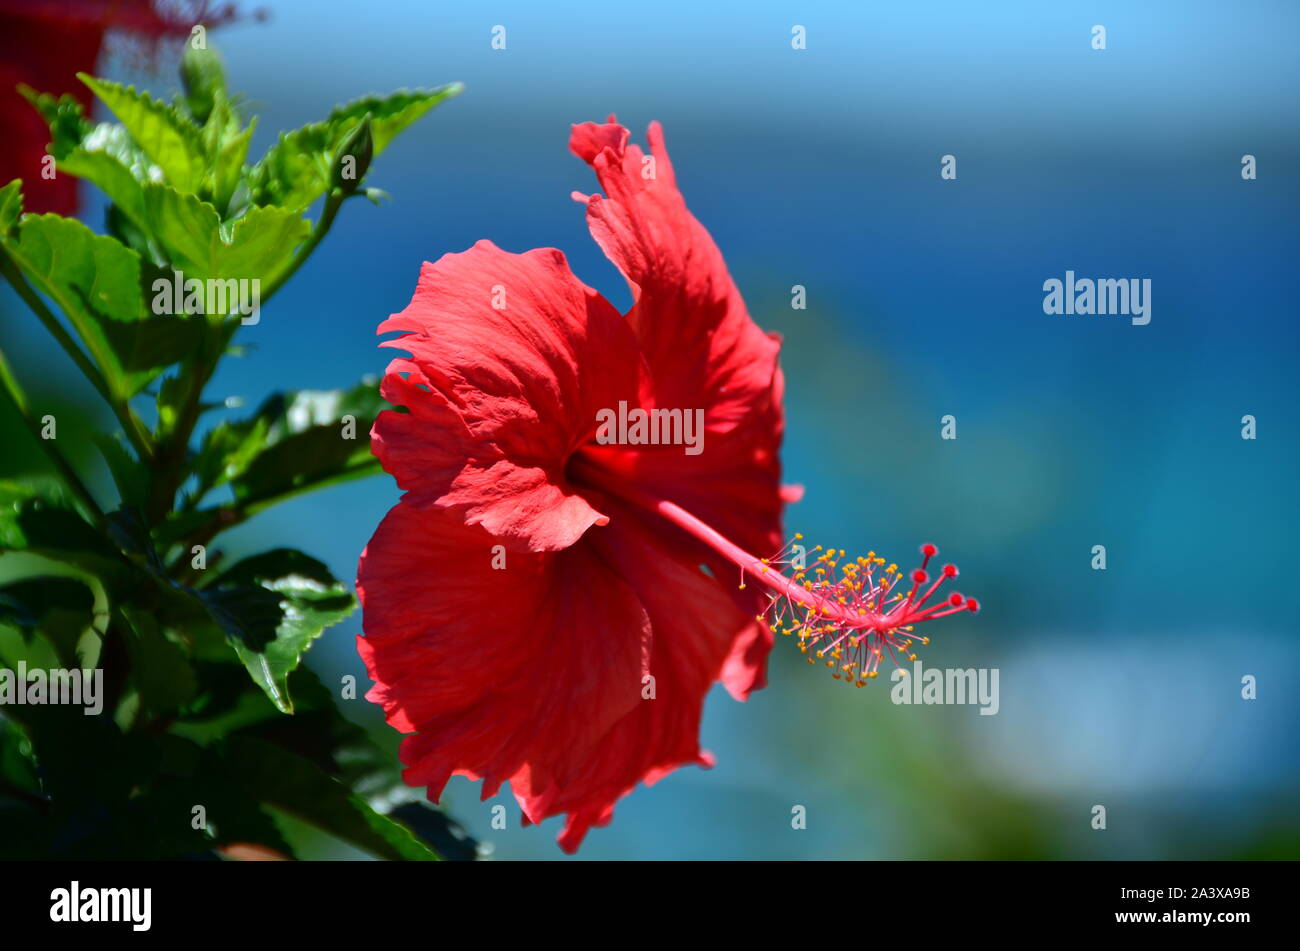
x=13, y=390
x=332, y=205
x=131, y=425
x=224, y=517
x=173, y=453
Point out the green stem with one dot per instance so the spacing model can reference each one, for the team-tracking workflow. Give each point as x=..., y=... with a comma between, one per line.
x=172, y=454
x=14, y=391
x=131, y=425
x=332, y=205
x=224, y=517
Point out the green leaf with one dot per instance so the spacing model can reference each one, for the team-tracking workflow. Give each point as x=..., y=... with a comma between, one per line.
x=61, y=608
x=17, y=768
x=257, y=246
x=63, y=255
x=272, y=606
x=227, y=451
x=204, y=79
x=296, y=785
x=63, y=114
x=129, y=475
x=160, y=671
x=37, y=520
x=95, y=280
x=163, y=133
x=109, y=159
x=299, y=168
x=447, y=837
x=103, y=154
x=11, y=206
x=130, y=796
x=320, y=733
x=307, y=441
x=16, y=500
x=231, y=154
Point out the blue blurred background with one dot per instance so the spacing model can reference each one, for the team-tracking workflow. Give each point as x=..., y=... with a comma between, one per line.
x=820, y=167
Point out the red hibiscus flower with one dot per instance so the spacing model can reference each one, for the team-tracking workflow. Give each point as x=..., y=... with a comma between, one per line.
x=556, y=592
x=44, y=44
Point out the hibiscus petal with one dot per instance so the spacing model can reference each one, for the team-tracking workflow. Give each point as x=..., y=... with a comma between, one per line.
x=699, y=342
x=511, y=358
x=696, y=631
x=534, y=673
x=700, y=345
x=496, y=670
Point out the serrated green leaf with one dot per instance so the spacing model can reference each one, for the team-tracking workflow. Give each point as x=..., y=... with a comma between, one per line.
x=272, y=606
x=298, y=169
x=103, y=154
x=63, y=114
x=162, y=131
x=391, y=114
x=63, y=254
x=107, y=158
x=256, y=246
x=95, y=281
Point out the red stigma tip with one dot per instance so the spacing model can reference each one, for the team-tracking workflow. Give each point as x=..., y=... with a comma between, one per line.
x=860, y=620
x=972, y=604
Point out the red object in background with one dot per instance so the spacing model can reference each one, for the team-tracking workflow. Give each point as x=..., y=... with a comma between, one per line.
x=44, y=44
x=520, y=595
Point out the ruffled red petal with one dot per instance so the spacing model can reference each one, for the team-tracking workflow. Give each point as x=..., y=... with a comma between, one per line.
x=536, y=673
x=700, y=345
x=497, y=668
x=511, y=358
x=694, y=330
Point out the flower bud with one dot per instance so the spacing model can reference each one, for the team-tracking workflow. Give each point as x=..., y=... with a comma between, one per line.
x=203, y=78
x=354, y=157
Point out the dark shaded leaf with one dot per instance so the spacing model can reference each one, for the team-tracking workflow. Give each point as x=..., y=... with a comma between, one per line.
x=271, y=607
x=299, y=787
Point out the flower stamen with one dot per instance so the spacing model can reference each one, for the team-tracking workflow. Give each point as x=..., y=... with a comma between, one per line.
x=849, y=620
